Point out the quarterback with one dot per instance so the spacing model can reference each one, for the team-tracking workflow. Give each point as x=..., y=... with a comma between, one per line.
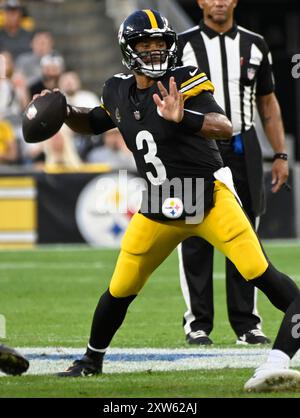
x=170, y=121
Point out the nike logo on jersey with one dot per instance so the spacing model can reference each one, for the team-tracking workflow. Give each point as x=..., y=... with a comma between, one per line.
x=192, y=73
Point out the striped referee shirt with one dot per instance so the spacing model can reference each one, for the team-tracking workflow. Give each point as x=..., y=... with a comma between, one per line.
x=238, y=63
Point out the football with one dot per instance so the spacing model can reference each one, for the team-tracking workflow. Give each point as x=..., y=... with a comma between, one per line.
x=44, y=117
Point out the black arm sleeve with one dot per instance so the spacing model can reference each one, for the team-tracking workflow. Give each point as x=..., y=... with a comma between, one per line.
x=100, y=120
x=204, y=103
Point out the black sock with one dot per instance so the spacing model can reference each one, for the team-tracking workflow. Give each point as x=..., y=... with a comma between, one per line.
x=108, y=317
x=94, y=355
x=279, y=288
x=288, y=337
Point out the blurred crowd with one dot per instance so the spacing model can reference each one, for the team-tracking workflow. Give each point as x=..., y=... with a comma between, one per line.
x=29, y=63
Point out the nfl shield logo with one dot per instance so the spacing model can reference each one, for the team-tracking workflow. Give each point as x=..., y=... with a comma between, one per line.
x=31, y=112
x=137, y=115
x=251, y=73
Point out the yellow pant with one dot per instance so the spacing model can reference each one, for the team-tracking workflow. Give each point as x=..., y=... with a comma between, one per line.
x=147, y=243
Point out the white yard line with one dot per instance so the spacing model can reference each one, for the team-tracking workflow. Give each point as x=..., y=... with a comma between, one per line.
x=50, y=360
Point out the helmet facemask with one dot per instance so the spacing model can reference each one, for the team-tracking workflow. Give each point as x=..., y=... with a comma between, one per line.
x=155, y=63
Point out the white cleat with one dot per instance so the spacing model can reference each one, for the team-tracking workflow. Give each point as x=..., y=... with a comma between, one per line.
x=268, y=380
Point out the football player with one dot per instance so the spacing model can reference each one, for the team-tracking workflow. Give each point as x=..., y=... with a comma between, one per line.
x=12, y=362
x=272, y=377
x=170, y=121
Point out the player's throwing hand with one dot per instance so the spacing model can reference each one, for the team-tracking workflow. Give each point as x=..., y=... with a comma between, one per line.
x=170, y=106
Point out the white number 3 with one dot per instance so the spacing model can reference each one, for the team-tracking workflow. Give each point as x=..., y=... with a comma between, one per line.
x=150, y=157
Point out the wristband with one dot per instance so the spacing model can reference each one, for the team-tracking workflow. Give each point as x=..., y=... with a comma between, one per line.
x=192, y=121
x=280, y=156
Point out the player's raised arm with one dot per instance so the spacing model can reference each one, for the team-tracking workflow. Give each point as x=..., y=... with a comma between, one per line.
x=211, y=125
x=170, y=107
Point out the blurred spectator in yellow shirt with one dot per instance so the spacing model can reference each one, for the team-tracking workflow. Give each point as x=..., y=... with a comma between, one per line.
x=13, y=37
x=8, y=145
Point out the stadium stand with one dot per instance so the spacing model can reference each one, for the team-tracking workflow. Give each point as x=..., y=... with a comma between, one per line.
x=83, y=34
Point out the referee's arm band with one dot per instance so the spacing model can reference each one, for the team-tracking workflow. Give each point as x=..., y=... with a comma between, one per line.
x=192, y=121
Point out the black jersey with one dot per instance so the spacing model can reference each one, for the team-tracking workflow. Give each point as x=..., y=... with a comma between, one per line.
x=163, y=150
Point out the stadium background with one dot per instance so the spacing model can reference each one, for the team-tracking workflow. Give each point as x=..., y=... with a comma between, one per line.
x=83, y=33
x=39, y=205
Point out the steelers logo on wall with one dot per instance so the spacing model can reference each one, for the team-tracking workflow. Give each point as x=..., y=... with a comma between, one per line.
x=105, y=207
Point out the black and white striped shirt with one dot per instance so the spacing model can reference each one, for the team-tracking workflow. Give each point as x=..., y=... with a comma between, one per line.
x=238, y=63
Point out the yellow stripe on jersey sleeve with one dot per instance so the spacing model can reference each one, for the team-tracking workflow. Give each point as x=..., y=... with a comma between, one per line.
x=103, y=107
x=197, y=89
x=190, y=80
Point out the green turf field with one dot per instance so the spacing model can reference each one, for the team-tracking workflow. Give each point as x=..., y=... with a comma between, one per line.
x=48, y=296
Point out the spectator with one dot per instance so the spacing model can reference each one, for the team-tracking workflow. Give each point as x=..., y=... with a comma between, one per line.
x=70, y=85
x=114, y=152
x=8, y=145
x=13, y=100
x=29, y=63
x=27, y=23
x=60, y=149
x=13, y=91
x=52, y=67
x=13, y=37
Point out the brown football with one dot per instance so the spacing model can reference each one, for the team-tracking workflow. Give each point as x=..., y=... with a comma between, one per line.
x=44, y=117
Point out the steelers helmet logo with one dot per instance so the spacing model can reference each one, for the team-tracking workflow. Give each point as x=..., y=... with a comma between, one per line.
x=172, y=207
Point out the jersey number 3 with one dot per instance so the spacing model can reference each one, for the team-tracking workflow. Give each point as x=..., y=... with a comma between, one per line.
x=150, y=157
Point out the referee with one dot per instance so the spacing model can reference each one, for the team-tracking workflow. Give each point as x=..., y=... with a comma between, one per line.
x=239, y=64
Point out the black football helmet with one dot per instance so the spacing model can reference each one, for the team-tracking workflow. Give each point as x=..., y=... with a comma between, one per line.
x=147, y=24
